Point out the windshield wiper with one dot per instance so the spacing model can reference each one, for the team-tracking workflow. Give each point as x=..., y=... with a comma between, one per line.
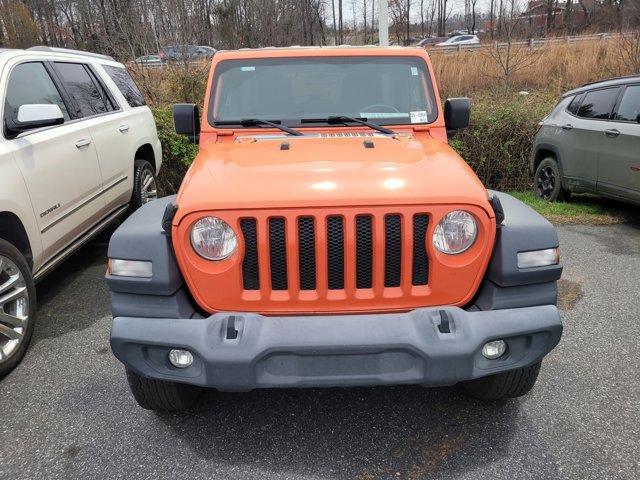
x=332, y=120
x=252, y=122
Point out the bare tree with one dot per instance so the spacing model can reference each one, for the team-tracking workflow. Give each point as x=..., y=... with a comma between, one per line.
x=399, y=12
x=335, y=29
x=473, y=16
x=364, y=23
x=443, y=15
x=628, y=49
x=340, y=29
x=510, y=56
x=492, y=12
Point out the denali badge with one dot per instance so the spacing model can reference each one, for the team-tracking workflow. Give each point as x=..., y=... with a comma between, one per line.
x=49, y=210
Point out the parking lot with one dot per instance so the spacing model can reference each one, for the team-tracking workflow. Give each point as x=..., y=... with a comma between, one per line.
x=67, y=411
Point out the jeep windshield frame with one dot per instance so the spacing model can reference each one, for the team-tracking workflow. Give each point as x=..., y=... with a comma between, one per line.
x=386, y=90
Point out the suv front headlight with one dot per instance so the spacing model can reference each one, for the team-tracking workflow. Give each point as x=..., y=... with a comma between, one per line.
x=456, y=232
x=212, y=238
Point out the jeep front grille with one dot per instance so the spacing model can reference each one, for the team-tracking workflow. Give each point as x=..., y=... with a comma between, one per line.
x=336, y=252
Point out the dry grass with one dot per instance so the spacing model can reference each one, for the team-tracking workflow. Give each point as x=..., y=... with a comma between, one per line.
x=557, y=68
x=553, y=69
x=173, y=83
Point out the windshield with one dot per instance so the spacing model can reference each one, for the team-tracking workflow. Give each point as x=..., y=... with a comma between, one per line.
x=384, y=90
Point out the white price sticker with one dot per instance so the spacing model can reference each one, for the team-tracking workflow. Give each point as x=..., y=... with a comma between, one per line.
x=419, y=117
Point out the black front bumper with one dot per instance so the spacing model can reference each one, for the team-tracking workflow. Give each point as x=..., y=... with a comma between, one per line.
x=346, y=350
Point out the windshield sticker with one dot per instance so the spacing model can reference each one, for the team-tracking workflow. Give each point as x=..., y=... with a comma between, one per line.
x=372, y=115
x=419, y=117
x=247, y=69
x=414, y=71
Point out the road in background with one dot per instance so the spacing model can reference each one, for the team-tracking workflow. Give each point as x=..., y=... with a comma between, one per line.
x=66, y=411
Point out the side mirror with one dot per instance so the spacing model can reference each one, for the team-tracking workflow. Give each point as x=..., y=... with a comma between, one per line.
x=32, y=116
x=186, y=120
x=638, y=118
x=456, y=114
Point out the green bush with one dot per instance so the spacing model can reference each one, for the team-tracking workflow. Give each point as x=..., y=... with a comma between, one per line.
x=498, y=142
x=177, y=151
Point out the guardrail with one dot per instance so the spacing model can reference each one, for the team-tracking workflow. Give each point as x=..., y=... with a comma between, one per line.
x=532, y=43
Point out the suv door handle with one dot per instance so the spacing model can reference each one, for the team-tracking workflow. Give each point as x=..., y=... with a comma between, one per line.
x=123, y=128
x=612, y=132
x=568, y=126
x=85, y=142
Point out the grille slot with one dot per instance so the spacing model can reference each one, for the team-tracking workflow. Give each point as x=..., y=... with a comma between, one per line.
x=278, y=254
x=307, y=253
x=335, y=253
x=392, y=250
x=250, y=269
x=420, y=275
x=364, y=251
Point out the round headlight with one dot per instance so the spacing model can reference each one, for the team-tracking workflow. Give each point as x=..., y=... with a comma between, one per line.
x=213, y=238
x=455, y=233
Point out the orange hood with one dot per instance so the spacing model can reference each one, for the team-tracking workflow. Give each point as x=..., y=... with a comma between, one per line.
x=273, y=171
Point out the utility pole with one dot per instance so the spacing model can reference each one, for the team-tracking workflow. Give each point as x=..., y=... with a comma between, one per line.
x=383, y=23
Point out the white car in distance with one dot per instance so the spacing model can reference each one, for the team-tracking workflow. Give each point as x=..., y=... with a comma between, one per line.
x=460, y=40
x=78, y=150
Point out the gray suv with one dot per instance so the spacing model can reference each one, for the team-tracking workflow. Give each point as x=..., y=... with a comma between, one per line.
x=591, y=143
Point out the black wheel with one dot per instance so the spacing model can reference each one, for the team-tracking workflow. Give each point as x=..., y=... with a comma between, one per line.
x=17, y=307
x=548, y=181
x=145, y=186
x=514, y=383
x=161, y=395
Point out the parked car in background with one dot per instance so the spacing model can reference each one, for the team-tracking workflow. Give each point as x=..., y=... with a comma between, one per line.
x=460, y=40
x=149, y=61
x=186, y=52
x=78, y=150
x=425, y=42
x=591, y=143
x=327, y=235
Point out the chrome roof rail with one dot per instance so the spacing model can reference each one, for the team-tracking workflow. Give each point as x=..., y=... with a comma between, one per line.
x=68, y=51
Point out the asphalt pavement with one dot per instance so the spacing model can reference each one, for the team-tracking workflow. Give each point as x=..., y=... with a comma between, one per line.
x=67, y=413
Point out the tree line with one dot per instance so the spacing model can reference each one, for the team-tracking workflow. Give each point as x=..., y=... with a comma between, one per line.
x=129, y=28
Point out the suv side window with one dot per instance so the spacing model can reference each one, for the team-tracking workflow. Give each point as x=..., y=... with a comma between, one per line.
x=107, y=96
x=575, y=104
x=30, y=83
x=629, y=108
x=126, y=85
x=597, y=104
x=82, y=89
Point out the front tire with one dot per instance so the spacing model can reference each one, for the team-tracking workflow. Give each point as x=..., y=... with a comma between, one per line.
x=161, y=395
x=512, y=384
x=145, y=185
x=17, y=307
x=548, y=181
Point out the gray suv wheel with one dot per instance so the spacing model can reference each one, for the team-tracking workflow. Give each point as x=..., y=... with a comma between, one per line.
x=548, y=181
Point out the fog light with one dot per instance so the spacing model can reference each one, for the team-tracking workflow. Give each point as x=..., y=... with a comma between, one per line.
x=495, y=349
x=180, y=358
x=539, y=258
x=130, y=268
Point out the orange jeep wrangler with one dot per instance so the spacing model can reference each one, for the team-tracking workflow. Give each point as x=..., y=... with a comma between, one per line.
x=327, y=235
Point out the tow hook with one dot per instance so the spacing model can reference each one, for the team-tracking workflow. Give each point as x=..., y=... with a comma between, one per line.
x=445, y=322
x=232, y=333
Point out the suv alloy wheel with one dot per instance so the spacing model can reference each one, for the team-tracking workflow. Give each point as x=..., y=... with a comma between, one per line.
x=548, y=181
x=17, y=307
x=145, y=185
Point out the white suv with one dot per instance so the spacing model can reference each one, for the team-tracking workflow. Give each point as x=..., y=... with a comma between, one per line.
x=78, y=149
